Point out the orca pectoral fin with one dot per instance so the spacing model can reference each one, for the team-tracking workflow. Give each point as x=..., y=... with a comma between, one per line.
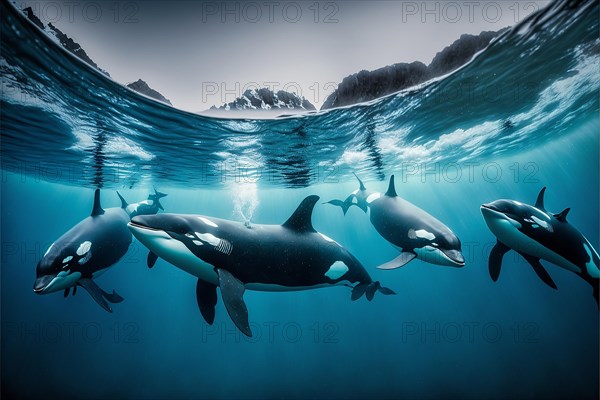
x=113, y=297
x=94, y=291
x=206, y=295
x=594, y=283
x=74, y=290
x=495, y=261
x=540, y=270
x=232, y=291
x=151, y=259
x=358, y=291
x=404, y=258
x=66, y=293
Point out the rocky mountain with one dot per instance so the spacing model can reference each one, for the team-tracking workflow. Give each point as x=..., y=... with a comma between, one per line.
x=142, y=87
x=369, y=85
x=265, y=99
x=59, y=37
x=460, y=52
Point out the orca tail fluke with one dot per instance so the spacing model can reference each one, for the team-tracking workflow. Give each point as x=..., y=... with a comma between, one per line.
x=159, y=194
x=344, y=205
x=156, y=198
x=339, y=203
x=369, y=289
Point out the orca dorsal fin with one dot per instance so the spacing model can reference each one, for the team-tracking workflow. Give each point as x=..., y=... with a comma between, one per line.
x=301, y=219
x=362, y=186
x=539, y=202
x=562, y=216
x=124, y=203
x=97, y=210
x=391, y=192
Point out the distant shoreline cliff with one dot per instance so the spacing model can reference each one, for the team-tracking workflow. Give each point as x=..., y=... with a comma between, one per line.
x=75, y=48
x=368, y=85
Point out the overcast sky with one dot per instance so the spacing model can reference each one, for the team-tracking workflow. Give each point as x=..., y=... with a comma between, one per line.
x=198, y=54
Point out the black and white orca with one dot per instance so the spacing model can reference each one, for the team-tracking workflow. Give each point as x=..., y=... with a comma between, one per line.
x=84, y=252
x=236, y=256
x=146, y=207
x=357, y=198
x=537, y=234
x=416, y=233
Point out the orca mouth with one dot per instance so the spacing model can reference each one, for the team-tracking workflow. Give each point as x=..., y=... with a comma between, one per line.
x=456, y=257
x=490, y=211
x=489, y=207
x=137, y=224
x=42, y=283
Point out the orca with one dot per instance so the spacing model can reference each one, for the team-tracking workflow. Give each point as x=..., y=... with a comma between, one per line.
x=413, y=231
x=146, y=207
x=357, y=198
x=84, y=252
x=236, y=256
x=537, y=234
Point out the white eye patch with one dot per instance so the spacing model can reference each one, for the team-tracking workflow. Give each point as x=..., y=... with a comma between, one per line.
x=542, y=223
x=420, y=234
x=84, y=248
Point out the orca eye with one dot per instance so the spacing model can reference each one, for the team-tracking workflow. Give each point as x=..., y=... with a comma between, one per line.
x=434, y=244
x=191, y=236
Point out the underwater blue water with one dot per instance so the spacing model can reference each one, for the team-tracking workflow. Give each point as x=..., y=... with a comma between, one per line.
x=448, y=333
